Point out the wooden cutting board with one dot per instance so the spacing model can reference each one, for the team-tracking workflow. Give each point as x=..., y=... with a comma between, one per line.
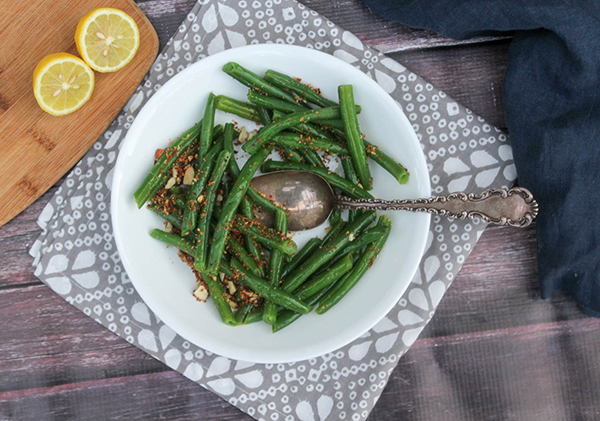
x=36, y=149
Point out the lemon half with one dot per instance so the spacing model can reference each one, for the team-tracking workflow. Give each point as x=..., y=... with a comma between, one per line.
x=62, y=83
x=107, y=39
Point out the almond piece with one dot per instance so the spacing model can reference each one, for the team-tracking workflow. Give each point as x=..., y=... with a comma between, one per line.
x=201, y=293
x=243, y=135
x=188, y=178
x=170, y=183
x=231, y=287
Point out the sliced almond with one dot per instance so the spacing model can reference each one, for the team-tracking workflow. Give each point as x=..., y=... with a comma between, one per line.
x=170, y=183
x=243, y=135
x=201, y=293
x=175, y=172
x=232, y=304
x=188, y=178
x=200, y=198
x=222, y=276
x=231, y=287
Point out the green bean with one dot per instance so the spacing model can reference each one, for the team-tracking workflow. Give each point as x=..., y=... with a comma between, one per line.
x=323, y=255
x=312, y=158
x=300, y=141
x=301, y=256
x=350, y=175
x=203, y=227
x=335, y=180
x=332, y=124
x=290, y=154
x=181, y=243
x=253, y=316
x=179, y=201
x=364, y=262
x=264, y=235
x=239, y=251
x=217, y=133
x=366, y=237
x=177, y=190
x=230, y=207
x=161, y=171
x=266, y=290
x=267, y=132
x=235, y=248
x=257, y=197
x=305, y=128
x=273, y=103
x=263, y=115
x=309, y=128
x=387, y=163
x=335, y=216
x=316, y=284
x=287, y=317
x=354, y=136
x=277, y=114
x=263, y=201
x=275, y=266
x=217, y=292
x=336, y=224
x=246, y=207
x=190, y=213
x=208, y=122
x=239, y=108
x=253, y=81
x=242, y=314
x=303, y=91
x=171, y=218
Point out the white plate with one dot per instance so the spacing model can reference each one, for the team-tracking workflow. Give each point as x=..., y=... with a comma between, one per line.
x=166, y=284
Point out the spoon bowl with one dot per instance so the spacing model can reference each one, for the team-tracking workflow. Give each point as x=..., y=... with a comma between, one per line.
x=307, y=196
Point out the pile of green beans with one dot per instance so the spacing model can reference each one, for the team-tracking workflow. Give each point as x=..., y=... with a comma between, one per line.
x=253, y=272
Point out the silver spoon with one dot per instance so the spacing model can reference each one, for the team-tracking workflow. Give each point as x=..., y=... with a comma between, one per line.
x=310, y=200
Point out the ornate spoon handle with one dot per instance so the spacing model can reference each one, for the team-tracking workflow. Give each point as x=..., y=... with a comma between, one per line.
x=515, y=207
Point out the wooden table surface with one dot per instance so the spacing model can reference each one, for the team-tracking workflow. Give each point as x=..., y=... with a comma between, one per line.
x=493, y=351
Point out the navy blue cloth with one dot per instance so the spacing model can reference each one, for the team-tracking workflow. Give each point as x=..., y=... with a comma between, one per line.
x=552, y=104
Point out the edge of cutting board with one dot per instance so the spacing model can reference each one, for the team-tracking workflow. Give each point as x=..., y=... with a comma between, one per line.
x=37, y=149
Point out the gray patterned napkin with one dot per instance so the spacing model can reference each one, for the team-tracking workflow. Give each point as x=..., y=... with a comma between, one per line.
x=76, y=255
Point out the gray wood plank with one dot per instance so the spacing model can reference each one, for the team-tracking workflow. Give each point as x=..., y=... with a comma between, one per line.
x=539, y=372
x=47, y=342
x=165, y=395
